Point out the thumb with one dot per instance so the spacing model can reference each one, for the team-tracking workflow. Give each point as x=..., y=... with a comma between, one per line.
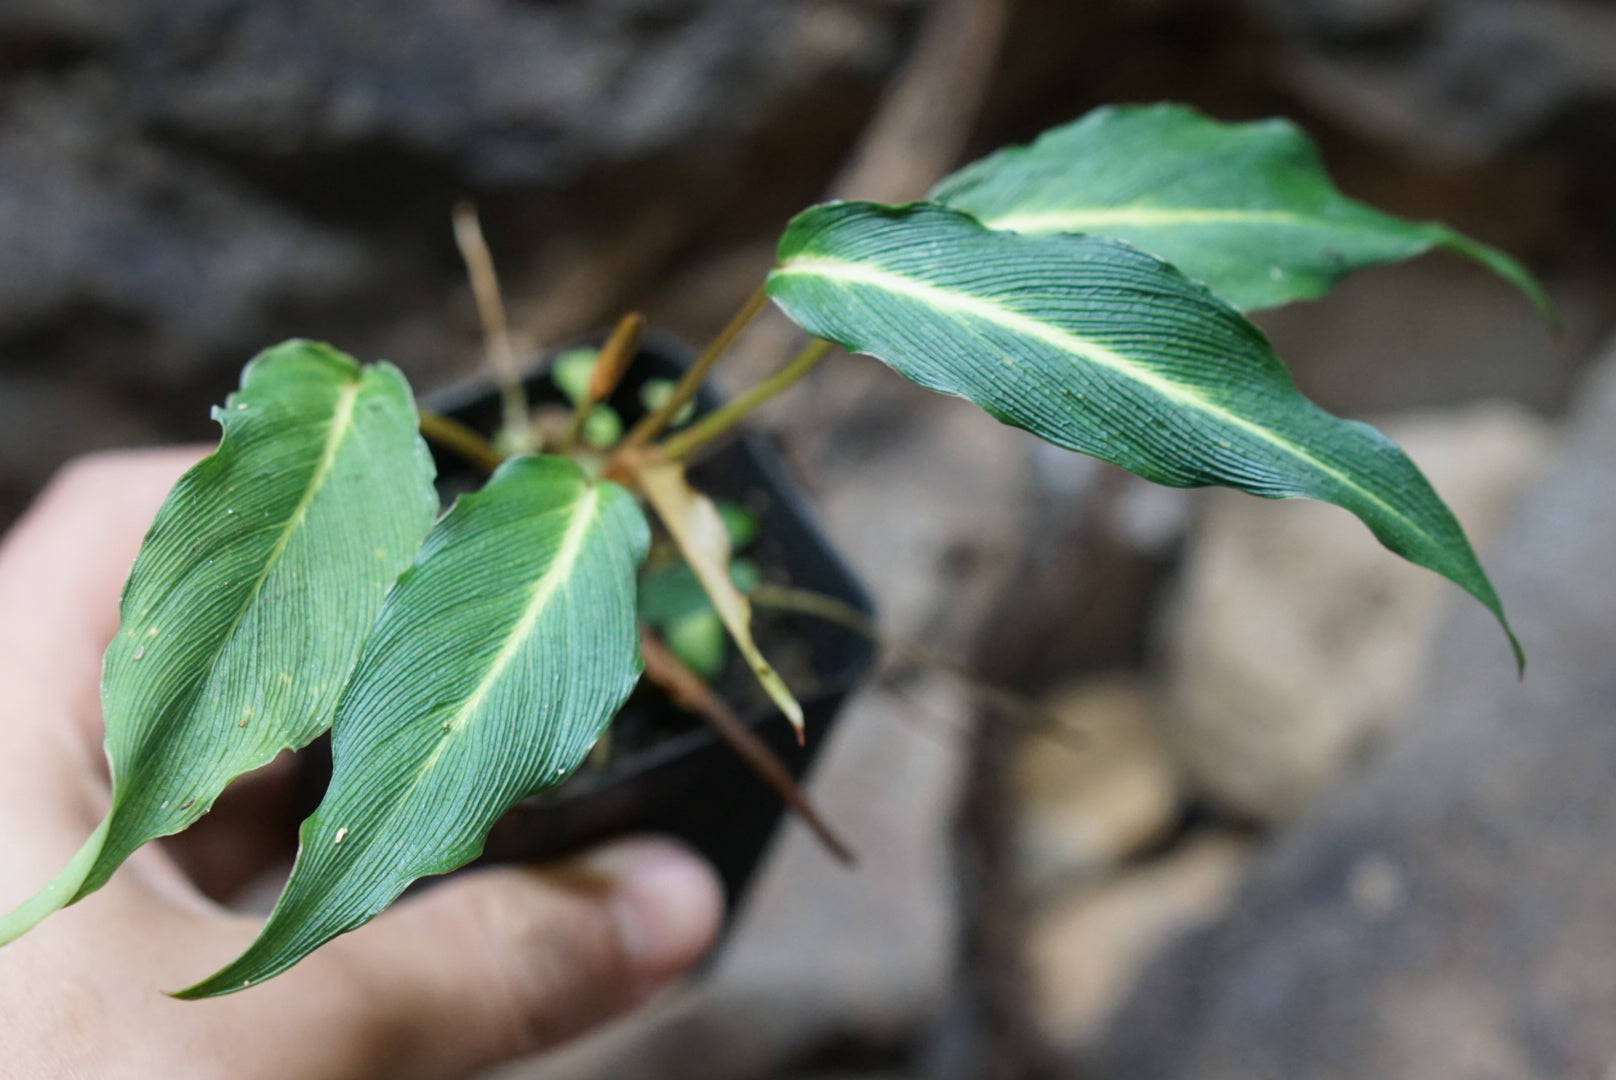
x=505, y=961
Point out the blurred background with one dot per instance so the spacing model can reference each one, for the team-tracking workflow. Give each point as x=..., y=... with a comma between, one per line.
x=1285, y=811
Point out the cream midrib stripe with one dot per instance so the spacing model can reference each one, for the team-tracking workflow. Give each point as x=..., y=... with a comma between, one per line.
x=1058, y=221
x=544, y=591
x=560, y=569
x=340, y=424
x=986, y=310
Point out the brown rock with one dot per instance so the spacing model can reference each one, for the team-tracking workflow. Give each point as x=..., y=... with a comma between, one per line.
x=1094, y=789
x=1087, y=953
x=1447, y=915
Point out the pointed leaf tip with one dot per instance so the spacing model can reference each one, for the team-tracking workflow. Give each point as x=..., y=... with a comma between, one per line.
x=1501, y=264
x=495, y=664
x=1101, y=348
x=1246, y=208
x=697, y=527
x=316, y=498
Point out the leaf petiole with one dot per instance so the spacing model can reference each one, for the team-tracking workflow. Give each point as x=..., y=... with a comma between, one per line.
x=610, y=364
x=681, y=446
x=456, y=437
x=496, y=336
x=687, y=690
x=685, y=390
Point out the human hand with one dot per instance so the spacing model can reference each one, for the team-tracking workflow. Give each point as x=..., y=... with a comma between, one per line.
x=483, y=967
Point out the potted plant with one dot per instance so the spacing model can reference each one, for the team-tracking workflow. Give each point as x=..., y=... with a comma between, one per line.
x=657, y=753
x=1089, y=288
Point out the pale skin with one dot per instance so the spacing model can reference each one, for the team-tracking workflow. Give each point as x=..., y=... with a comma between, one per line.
x=488, y=966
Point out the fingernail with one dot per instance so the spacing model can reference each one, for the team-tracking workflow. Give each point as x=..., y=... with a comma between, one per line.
x=666, y=902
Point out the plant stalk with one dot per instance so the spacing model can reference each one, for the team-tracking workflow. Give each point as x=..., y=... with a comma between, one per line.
x=496, y=336
x=457, y=438
x=1007, y=703
x=710, y=427
x=688, y=691
x=610, y=364
x=651, y=426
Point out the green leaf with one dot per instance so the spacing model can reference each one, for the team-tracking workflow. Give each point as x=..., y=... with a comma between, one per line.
x=669, y=594
x=1245, y=208
x=247, y=605
x=570, y=371
x=673, y=602
x=700, y=642
x=655, y=393
x=602, y=427
x=497, y=660
x=739, y=522
x=1100, y=348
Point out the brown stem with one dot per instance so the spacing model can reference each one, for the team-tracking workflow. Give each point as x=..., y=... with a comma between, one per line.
x=688, y=691
x=1007, y=703
x=610, y=364
x=491, y=311
x=456, y=437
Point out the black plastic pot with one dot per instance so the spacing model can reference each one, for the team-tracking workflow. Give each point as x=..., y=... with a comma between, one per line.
x=689, y=784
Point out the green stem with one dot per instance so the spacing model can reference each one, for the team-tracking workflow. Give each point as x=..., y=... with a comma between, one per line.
x=60, y=891
x=711, y=426
x=575, y=426
x=651, y=426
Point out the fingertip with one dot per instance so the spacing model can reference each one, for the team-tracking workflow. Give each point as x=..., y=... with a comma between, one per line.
x=509, y=960
x=81, y=533
x=666, y=905
x=129, y=481
x=61, y=568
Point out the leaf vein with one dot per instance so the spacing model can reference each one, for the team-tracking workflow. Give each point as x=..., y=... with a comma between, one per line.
x=1016, y=322
x=544, y=591
x=1061, y=221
